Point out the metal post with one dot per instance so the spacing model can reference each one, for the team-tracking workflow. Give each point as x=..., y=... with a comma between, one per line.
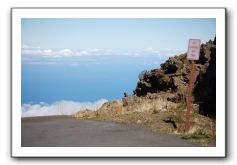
x=189, y=100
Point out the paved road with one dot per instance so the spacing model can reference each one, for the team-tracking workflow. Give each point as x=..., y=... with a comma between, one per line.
x=68, y=132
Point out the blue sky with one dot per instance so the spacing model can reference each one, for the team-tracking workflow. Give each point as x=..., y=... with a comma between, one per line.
x=89, y=59
x=115, y=34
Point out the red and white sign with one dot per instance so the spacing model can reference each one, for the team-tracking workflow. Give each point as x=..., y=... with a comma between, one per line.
x=193, y=49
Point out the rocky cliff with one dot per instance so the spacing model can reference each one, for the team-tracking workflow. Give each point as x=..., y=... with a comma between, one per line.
x=173, y=77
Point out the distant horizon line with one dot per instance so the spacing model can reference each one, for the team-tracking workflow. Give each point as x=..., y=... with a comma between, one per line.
x=66, y=52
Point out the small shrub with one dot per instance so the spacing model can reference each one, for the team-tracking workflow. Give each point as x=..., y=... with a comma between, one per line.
x=181, y=57
x=97, y=115
x=181, y=106
x=198, y=134
x=153, y=109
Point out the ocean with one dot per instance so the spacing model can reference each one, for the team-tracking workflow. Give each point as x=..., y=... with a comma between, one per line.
x=87, y=81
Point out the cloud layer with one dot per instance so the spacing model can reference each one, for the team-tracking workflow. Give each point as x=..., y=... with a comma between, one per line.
x=59, y=108
x=34, y=55
x=37, y=51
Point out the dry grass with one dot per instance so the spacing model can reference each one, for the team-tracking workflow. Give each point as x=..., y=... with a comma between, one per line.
x=159, y=115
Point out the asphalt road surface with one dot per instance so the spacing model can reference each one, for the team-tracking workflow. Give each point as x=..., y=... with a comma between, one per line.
x=69, y=132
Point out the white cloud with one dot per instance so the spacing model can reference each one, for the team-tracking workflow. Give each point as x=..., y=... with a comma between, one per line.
x=91, y=52
x=152, y=51
x=47, y=52
x=83, y=53
x=149, y=49
x=37, y=51
x=59, y=108
x=66, y=52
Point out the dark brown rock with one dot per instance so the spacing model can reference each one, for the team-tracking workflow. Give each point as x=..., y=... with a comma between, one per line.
x=205, y=89
x=171, y=65
x=174, y=75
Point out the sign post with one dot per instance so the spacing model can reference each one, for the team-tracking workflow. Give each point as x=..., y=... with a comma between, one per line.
x=193, y=54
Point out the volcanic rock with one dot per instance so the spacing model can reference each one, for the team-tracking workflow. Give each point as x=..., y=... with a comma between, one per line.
x=174, y=74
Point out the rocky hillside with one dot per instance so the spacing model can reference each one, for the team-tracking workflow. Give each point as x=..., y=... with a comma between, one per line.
x=173, y=77
x=159, y=100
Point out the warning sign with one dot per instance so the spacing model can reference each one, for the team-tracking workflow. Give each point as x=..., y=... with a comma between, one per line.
x=193, y=49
